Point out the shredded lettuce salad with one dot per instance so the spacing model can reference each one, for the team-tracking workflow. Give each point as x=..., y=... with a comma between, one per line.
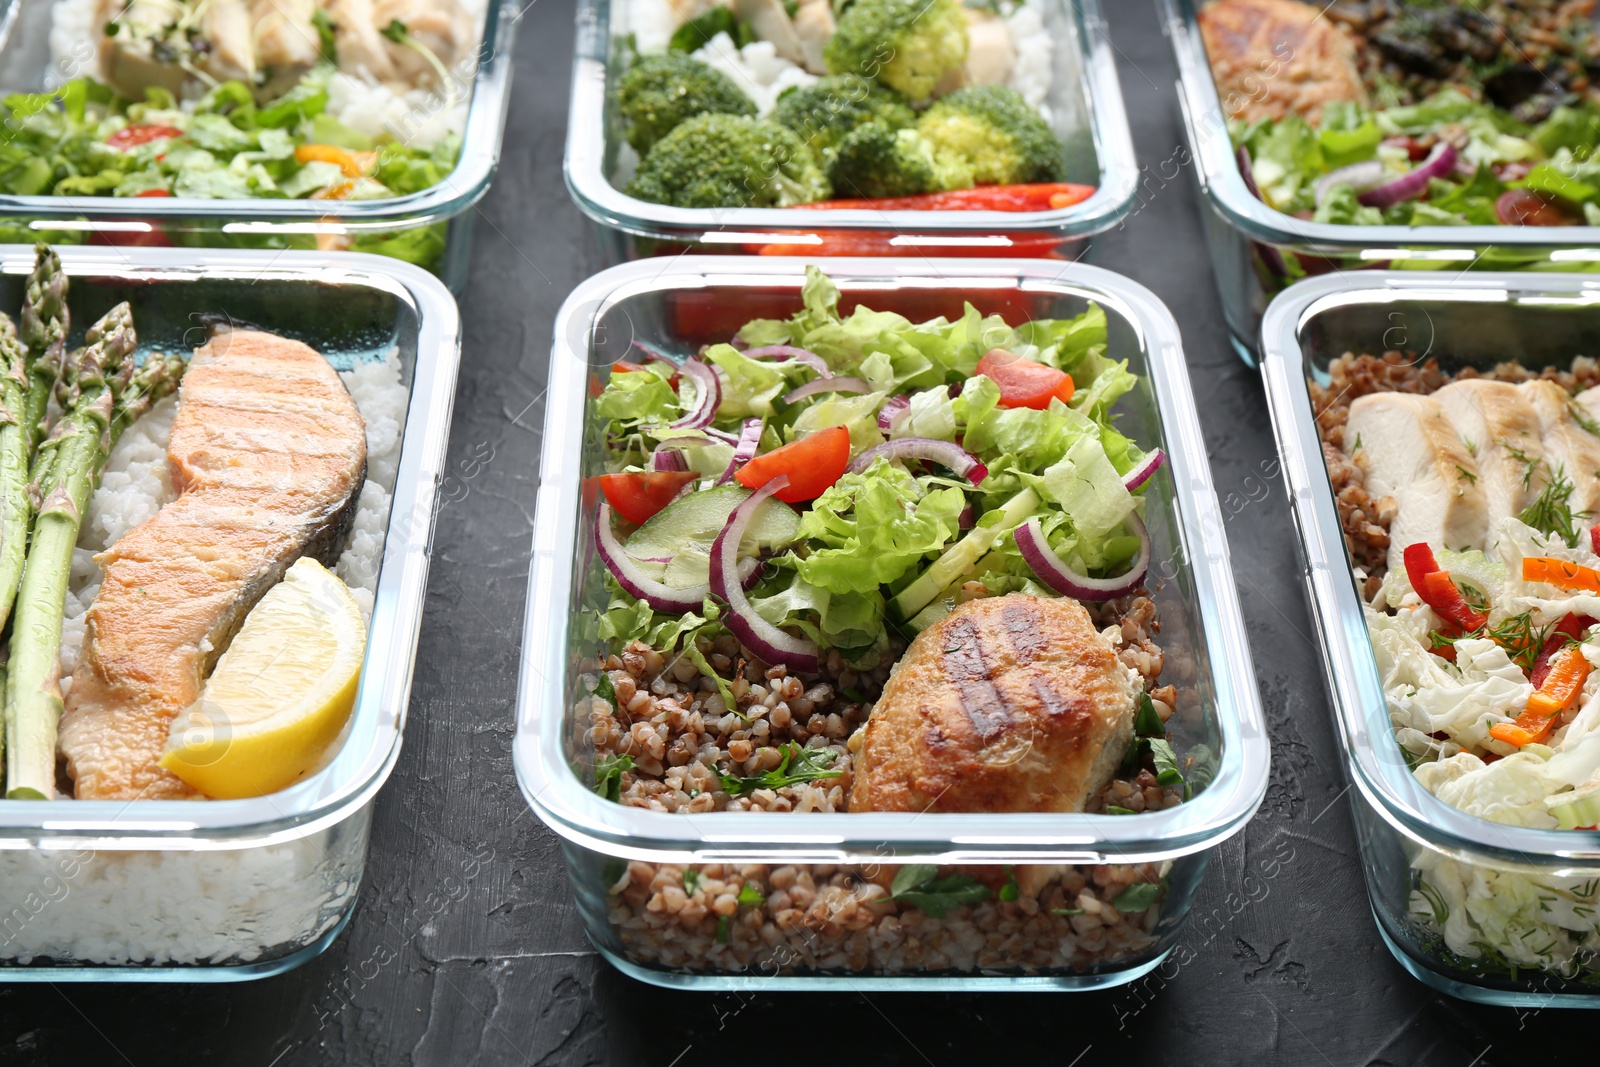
x=1555, y=158
x=888, y=547
x=1442, y=713
x=85, y=140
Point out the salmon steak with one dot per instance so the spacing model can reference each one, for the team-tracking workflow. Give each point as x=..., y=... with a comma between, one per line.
x=268, y=456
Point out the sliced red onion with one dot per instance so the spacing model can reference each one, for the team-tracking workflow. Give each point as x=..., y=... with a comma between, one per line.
x=708, y=396
x=757, y=634
x=1271, y=258
x=624, y=568
x=1142, y=470
x=745, y=449
x=948, y=453
x=1068, y=582
x=722, y=435
x=667, y=459
x=790, y=352
x=967, y=519
x=891, y=411
x=826, y=385
x=1359, y=176
x=1441, y=161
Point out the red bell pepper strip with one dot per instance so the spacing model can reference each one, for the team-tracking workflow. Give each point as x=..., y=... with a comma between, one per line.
x=1031, y=196
x=1569, y=629
x=1434, y=586
x=1594, y=538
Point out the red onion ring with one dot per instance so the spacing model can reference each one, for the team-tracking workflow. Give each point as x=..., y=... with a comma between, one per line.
x=622, y=566
x=1142, y=470
x=708, y=396
x=790, y=352
x=891, y=411
x=1053, y=572
x=1271, y=258
x=653, y=356
x=948, y=453
x=1440, y=161
x=757, y=634
x=745, y=450
x=967, y=519
x=667, y=459
x=1359, y=176
x=826, y=385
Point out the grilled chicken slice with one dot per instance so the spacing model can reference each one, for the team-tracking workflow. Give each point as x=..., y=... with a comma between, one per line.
x=440, y=26
x=813, y=25
x=127, y=58
x=1501, y=430
x=1012, y=703
x=769, y=21
x=286, y=41
x=1567, y=444
x=1411, y=453
x=1272, y=58
x=229, y=53
x=356, y=35
x=268, y=454
x=990, y=56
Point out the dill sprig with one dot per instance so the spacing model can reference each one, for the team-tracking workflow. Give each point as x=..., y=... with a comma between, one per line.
x=1517, y=634
x=1551, y=511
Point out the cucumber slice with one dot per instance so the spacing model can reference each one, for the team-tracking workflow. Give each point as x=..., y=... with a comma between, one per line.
x=688, y=526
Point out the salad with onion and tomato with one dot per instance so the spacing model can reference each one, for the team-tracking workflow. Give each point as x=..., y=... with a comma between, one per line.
x=838, y=482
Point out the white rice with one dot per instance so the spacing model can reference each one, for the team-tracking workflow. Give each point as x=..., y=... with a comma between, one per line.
x=418, y=118
x=1033, y=69
x=756, y=68
x=137, y=482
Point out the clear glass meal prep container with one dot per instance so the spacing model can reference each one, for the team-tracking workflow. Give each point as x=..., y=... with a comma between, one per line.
x=25, y=62
x=1239, y=227
x=227, y=890
x=1085, y=100
x=696, y=300
x=1405, y=832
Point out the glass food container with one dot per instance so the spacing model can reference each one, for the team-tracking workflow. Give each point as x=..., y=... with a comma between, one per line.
x=832, y=868
x=1086, y=109
x=1477, y=909
x=360, y=225
x=226, y=890
x=1257, y=252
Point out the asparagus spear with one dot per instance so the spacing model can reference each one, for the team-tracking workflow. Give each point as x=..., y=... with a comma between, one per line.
x=69, y=465
x=45, y=323
x=16, y=453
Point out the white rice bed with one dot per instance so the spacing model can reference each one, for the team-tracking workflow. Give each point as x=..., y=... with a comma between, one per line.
x=138, y=481
x=417, y=118
x=764, y=75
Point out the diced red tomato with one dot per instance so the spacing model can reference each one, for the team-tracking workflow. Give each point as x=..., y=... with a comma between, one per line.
x=1023, y=382
x=141, y=133
x=638, y=495
x=153, y=192
x=812, y=464
x=628, y=366
x=1523, y=207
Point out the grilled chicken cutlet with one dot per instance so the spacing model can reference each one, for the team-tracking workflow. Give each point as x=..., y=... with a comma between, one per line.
x=269, y=455
x=1272, y=58
x=1411, y=453
x=1012, y=703
x=1567, y=445
x=1501, y=430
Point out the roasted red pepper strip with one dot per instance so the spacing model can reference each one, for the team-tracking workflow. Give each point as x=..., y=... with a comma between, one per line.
x=1032, y=196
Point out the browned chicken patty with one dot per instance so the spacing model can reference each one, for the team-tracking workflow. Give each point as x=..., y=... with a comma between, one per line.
x=1272, y=58
x=1012, y=703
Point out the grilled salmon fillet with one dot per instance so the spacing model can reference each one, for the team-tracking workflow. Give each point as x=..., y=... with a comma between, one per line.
x=268, y=454
x=1012, y=703
x=1272, y=58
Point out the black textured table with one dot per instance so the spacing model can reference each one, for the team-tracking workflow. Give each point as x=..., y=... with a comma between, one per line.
x=465, y=947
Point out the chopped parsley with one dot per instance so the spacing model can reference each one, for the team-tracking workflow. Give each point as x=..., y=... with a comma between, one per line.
x=691, y=880
x=608, y=775
x=1066, y=911
x=919, y=885
x=605, y=690
x=1147, y=722
x=1551, y=512
x=800, y=765
x=1011, y=890
x=1166, y=760
x=723, y=926
x=750, y=896
x=1137, y=897
x=1112, y=809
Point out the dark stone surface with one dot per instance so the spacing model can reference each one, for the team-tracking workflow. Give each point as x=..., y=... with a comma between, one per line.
x=465, y=947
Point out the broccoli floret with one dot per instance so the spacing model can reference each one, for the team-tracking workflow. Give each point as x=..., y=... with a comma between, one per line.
x=729, y=161
x=997, y=133
x=907, y=45
x=659, y=92
x=697, y=32
x=825, y=113
x=875, y=161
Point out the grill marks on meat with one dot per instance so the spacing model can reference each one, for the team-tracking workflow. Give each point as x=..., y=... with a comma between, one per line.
x=1272, y=58
x=268, y=453
x=1010, y=703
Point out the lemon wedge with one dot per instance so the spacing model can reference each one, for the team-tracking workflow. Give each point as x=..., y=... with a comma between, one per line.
x=280, y=694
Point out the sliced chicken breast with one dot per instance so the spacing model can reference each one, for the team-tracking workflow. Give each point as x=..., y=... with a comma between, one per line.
x=813, y=25
x=231, y=53
x=1501, y=430
x=286, y=40
x=1411, y=453
x=1567, y=443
